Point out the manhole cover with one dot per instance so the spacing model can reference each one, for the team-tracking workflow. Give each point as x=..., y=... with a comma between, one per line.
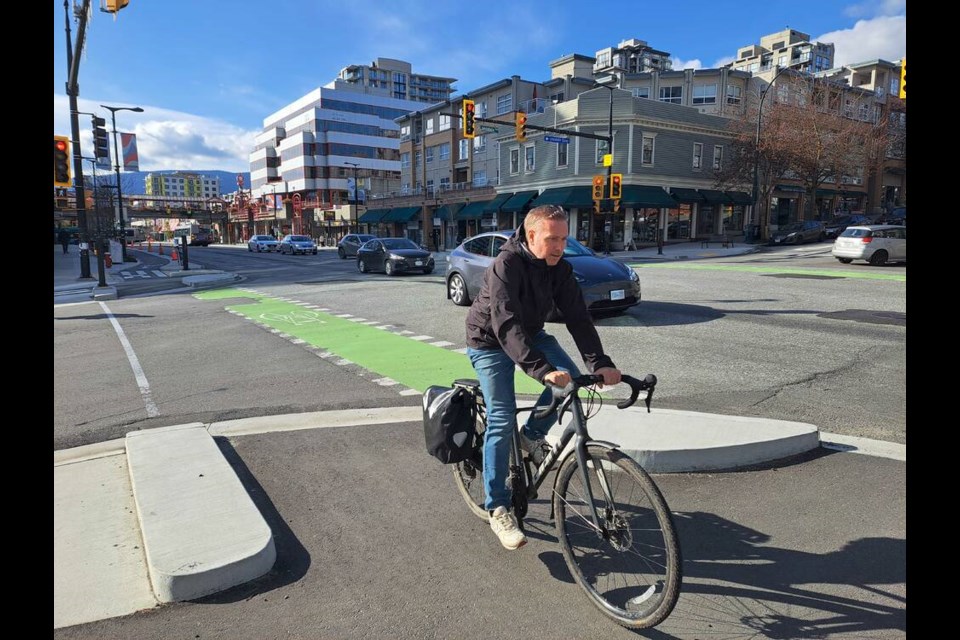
x=872, y=317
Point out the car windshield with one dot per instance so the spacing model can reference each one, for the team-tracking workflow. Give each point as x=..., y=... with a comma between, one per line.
x=365, y=238
x=790, y=228
x=856, y=232
x=399, y=243
x=574, y=248
x=298, y=238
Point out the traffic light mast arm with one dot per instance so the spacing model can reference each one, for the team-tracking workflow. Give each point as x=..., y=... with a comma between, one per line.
x=566, y=132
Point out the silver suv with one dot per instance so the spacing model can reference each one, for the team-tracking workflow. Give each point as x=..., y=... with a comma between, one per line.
x=349, y=244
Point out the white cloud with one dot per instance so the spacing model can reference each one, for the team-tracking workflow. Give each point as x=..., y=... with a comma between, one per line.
x=883, y=37
x=872, y=8
x=680, y=65
x=166, y=139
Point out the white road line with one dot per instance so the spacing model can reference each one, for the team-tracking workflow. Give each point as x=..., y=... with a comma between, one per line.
x=464, y=350
x=421, y=338
x=405, y=333
x=410, y=392
x=152, y=411
x=441, y=343
x=386, y=382
x=343, y=315
x=343, y=361
x=160, y=274
x=298, y=341
x=358, y=320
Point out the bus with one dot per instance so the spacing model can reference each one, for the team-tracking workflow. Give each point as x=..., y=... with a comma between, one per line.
x=197, y=235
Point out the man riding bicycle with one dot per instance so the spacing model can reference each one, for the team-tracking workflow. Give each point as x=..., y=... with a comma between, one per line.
x=505, y=329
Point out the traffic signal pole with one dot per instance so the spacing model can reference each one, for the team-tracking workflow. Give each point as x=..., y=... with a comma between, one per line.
x=73, y=69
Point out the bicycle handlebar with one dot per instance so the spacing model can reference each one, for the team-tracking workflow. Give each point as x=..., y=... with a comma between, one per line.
x=648, y=384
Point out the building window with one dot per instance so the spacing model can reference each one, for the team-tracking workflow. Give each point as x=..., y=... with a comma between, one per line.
x=479, y=143
x=640, y=92
x=444, y=184
x=717, y=157
x=530, y=158
x=429, y=126
x=734, y=94
x=514, y=161
x=601, y=151
x=430, y=154
x=481, y=109
x=444, y=122
x=673, y=95
x=405, y=132
x=445, y=151
x=705, y=94
x=480, y=178
x=430, y=187
x=647, y=154
x=464, y=148
x=418, y=159
x=562, y=155
x=404, y=160
x=697, y=155
x=556, y=98
x=504, y=103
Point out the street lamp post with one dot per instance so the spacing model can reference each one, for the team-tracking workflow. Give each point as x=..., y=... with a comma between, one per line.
x=116, y=165
x=356, y=197
x=756, y=150
x=607, y=223
x=101, y=273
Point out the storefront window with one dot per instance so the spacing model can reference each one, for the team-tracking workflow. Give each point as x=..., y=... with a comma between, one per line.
x=678, y=222
x=706, y=220
x=733, y=217
x=645, y=225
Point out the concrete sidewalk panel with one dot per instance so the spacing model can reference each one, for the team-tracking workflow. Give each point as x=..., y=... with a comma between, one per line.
x=202, y=532
x=673, y=441
x=99, y=568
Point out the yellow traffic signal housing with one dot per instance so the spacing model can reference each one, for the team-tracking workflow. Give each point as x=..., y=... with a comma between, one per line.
x=469, y=122
x=903, y=78
x=598, y=187
x=521, y=126
x=616, y=186
x=61, y=161
x=114, y=6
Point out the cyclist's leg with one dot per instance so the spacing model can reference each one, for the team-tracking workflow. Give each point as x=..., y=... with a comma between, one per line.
x=495, y=371
x=534, y=428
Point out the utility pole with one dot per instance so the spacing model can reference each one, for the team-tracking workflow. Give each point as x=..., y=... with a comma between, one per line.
x=116, y=161
x=73, y=90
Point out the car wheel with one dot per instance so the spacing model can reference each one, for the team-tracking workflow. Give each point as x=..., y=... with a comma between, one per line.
x=341, y=253
x=259, y=249
x=823, y=237
x=428, y=271
x=361, y=265
x=388, y=268
x=845, y=260
x=457, y=289
x=314, y=252
x=249, y=248
x=878, y=258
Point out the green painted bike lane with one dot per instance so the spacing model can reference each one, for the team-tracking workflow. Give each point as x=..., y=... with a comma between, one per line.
x=412, y=363
x=865, y=275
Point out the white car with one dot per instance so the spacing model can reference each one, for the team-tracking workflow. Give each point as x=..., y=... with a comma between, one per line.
x=877, y=244
x=262, y=243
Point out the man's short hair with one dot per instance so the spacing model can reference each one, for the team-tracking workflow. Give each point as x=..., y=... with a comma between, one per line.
x=544, y=212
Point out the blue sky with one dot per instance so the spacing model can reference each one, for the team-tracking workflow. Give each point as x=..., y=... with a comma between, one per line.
x=207, y=73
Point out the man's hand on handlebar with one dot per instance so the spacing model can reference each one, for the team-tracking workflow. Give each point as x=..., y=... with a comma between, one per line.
x=610, y=375
x=559, y=379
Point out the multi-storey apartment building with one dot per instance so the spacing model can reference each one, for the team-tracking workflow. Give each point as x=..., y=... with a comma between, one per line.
x=787, y=48
x=319, y=156
x=630, y=56
x=184, y=184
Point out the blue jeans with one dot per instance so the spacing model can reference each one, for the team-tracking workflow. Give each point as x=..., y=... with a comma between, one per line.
x=495, y=370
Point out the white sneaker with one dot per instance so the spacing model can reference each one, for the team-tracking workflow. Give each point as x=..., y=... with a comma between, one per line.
x=505, y=526
x=536, y=450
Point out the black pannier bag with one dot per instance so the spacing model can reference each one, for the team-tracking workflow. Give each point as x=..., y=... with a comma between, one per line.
x=449, y=423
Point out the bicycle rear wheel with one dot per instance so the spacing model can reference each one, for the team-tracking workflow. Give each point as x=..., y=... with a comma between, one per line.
x=631, y=571
x=469, y=476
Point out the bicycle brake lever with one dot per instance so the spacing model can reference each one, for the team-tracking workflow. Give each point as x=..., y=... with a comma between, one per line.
x=646, y=400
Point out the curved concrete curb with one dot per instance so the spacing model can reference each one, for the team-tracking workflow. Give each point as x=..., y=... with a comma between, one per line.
x=201, y=531
x=211, y=279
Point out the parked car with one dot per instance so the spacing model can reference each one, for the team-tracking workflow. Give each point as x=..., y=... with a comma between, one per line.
x=350, y=243
x=800, y=232
x=393, y=256
x=607, y=284
x=262, y=243
x=897, y=216
x=835, y=227
x=877, y=244
x=297, y=244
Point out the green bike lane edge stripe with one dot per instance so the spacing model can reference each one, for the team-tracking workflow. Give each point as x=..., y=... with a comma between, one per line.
x=414, y=364
x=866, y=275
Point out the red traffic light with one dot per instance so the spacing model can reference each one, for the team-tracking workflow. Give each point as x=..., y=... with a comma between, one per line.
x=60, y=145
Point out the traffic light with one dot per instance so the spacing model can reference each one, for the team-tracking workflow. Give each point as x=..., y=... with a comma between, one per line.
x=114, y=6
x=61, y=161
x=101, y=144
x=616, y=186
x=598, y=187
x=903, y=78
x=521, y=126
x=469, y=124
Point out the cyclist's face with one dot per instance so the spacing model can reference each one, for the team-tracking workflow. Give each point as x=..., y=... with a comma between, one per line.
x=547, y=240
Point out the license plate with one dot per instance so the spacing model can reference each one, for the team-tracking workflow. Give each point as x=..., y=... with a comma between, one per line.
x=418, y=263
x=617, y=294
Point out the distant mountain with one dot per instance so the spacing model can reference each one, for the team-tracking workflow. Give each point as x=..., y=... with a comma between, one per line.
x=136, y=180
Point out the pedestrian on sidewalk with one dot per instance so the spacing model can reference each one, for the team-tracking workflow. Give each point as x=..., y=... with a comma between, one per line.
x=64, y=237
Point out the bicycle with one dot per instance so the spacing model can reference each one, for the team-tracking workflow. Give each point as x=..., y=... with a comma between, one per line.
x=614, y=527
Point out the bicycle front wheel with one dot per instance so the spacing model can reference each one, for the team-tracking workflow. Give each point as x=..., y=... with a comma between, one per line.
x=631, y=568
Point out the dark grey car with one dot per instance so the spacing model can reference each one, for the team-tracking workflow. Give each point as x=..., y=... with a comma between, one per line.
x=806, y=231
x=349, y=244
x=607, y=284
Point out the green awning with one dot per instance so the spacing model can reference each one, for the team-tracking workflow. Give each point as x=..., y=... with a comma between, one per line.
x=494, y=205
x=445, y=212
x=829, y=193
x=739, y=197
x=714, y=197
x=686, y=195
x=790, y=187
x=372, y=216
x=401, y=214
x=636, y=195
x=473, y=210
x=579, y=197
x=556, y=195
x=518, y=201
